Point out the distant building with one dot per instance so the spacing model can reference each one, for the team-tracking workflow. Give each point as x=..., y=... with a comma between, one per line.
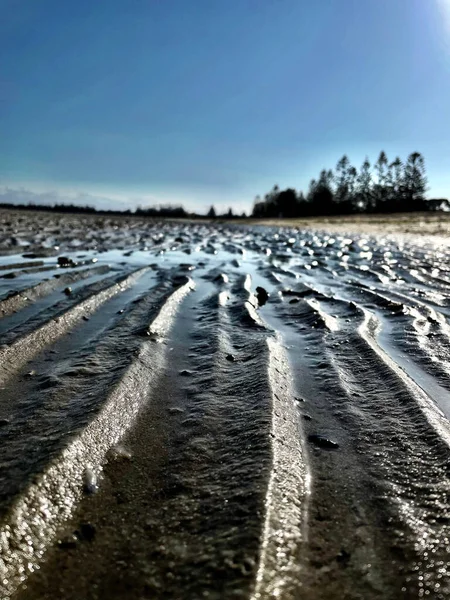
x=439, y=204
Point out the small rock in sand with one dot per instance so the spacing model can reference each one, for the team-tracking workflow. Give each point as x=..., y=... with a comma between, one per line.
x=89, y=482
x=261, y=295
x=118, y=453
x=322, y=442
x=65, y=262
x=86, y=532
x=68, y=542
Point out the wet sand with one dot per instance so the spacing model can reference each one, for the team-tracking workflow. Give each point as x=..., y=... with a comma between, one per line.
x=220, y=411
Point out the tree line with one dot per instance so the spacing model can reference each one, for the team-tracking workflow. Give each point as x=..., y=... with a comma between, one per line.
x=385, y=187
x=167, y=211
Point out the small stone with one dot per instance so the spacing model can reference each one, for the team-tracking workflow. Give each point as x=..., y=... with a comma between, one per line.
x=85, y=318
x=230, y=357
x=221, y=278
x=68, y=542
x=322, y=441
x=86, y=532
x=89, y=482
x=4, y=422
x=248, y=566
x=343, y=557
x=67, y=291
x=307, y=417
x=119, y=453
x=65, y=262
x=261, y=295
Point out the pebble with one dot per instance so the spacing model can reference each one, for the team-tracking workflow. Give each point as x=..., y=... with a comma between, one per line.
x=68, y=542
x=230, y=357
x=89, y=482
x=86, y=532
x=343, y=557
x=119, y=453
x=261, y=295
x=322, y=441
x=65, y=262
x=222, y=278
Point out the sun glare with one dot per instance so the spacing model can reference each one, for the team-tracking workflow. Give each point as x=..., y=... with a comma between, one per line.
x=444, y=8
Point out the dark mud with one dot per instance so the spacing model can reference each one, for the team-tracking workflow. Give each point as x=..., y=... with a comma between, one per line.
x=222, y=412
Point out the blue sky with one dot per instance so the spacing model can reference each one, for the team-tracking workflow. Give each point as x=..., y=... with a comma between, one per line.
x=207, y=101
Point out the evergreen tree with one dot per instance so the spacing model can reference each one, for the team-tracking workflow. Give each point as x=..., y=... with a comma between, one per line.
x=311, y=190
x=287, y=203
x=394, y=183
x=352, y=181
x=342, y=180
x=320, y=194
x=363, y=195
x=211, y=213
x=414, y=183
x=380, y=196
x=346, y=183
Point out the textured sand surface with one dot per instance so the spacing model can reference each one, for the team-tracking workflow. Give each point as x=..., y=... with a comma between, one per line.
x=215, y=411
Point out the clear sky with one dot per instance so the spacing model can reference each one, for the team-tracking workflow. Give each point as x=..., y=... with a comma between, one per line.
x=214, y=101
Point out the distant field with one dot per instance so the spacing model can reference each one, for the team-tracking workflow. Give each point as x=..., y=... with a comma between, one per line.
x=428, y=224
x=436, y=224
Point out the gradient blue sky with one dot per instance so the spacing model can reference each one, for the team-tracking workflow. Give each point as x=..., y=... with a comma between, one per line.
x=208, y=101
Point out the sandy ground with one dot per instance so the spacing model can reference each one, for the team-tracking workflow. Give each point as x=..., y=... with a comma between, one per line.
x=192, y=410
x=422, y=224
